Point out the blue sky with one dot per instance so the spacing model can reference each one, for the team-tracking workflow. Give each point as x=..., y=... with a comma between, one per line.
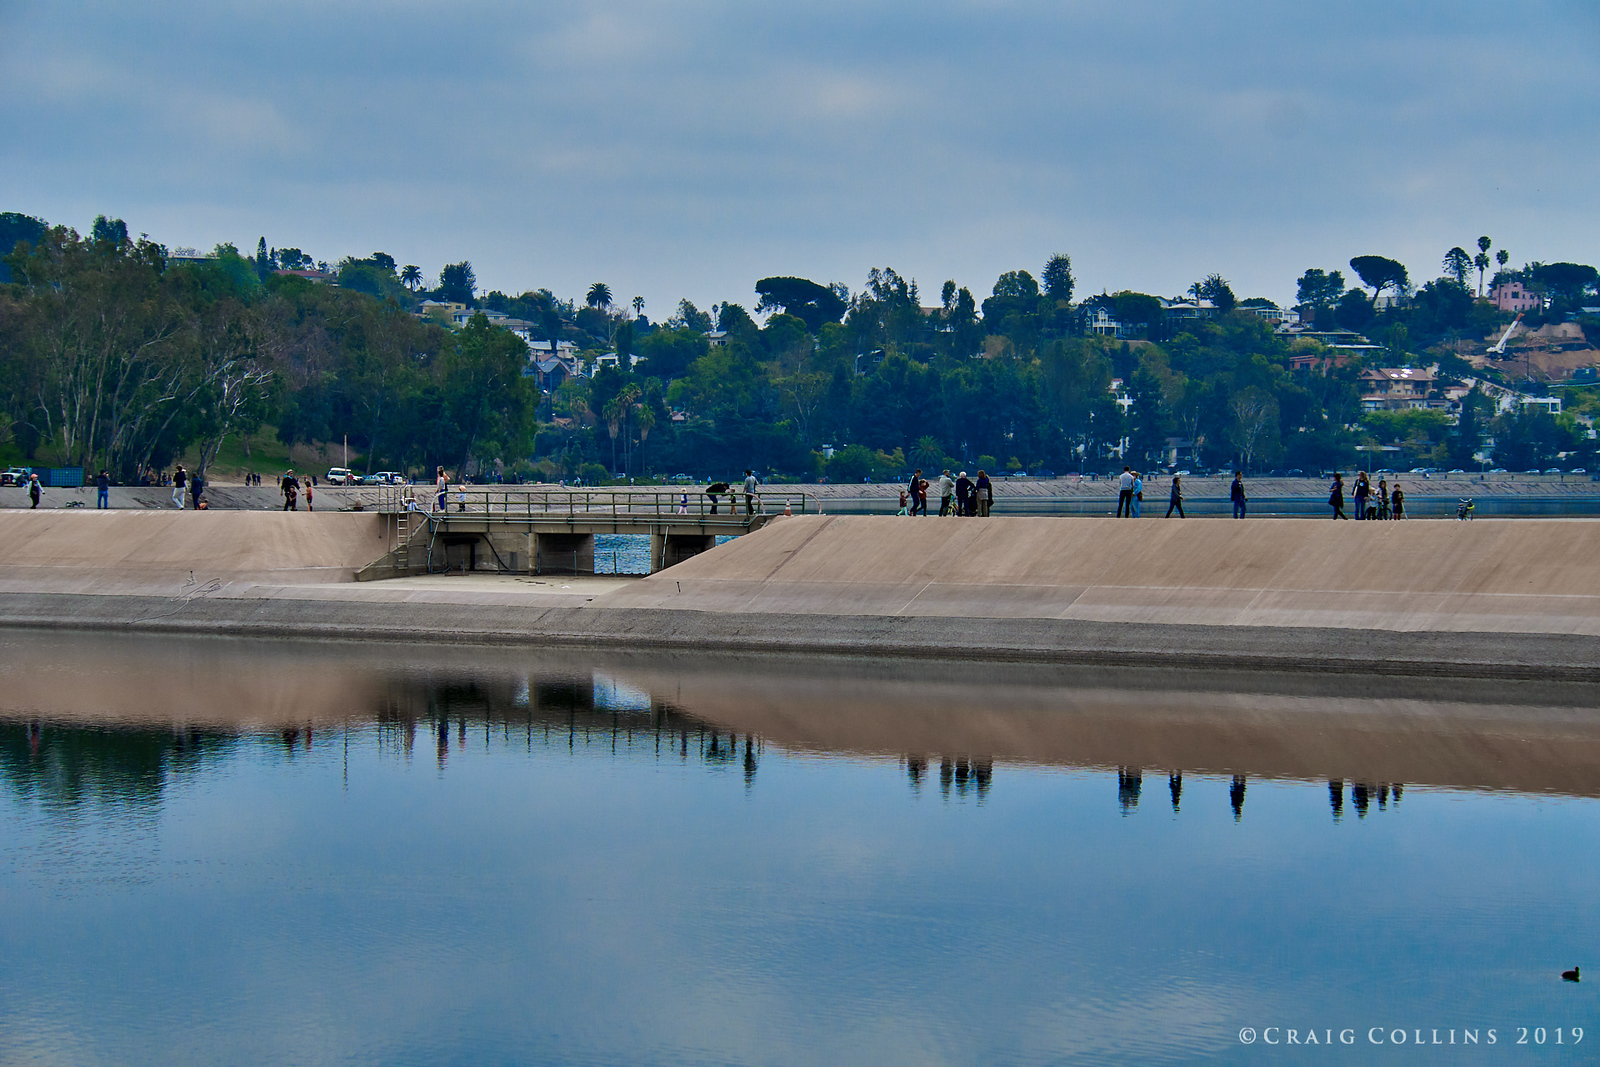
x=688, y=149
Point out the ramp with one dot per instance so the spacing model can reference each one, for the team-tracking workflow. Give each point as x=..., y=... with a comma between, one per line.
x=1515, y=576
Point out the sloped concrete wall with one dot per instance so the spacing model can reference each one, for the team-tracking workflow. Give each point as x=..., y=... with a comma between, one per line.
x=1533, y=575
x=102, y=550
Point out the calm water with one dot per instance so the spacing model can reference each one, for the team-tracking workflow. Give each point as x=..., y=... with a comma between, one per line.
x=231, y=852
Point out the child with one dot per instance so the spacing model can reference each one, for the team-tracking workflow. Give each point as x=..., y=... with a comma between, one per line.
x=683, y=504
x=904, y=497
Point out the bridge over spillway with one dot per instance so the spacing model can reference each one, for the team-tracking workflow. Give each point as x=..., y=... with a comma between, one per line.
x=530, y=530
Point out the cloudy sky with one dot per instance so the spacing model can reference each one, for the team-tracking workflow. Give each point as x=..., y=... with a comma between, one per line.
x=688, y=148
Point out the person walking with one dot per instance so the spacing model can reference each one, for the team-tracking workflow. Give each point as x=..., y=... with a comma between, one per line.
x=749, y=492
x=180, y=481
x=102, y=496
x=947, y=488
x=984, y=490
x=290, y=487
x=963, y=494
x=915, y=488
x=1236, y=494
x=1336, y=496
x=1398, y=502
x=1175, y=500
x=197, y=486
x=1383, y=498
x=1362, y=491
x=311, y=485
x=33, y=491
x=1125, y=494
x=1138, y=493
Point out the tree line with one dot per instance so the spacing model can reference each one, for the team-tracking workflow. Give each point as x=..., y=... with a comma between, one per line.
x=114, y=353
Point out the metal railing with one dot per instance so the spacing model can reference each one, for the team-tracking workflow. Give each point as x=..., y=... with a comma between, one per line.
x=577, y=505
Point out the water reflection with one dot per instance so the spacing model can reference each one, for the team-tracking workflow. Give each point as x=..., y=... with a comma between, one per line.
x=133, y=734
x=214, y=848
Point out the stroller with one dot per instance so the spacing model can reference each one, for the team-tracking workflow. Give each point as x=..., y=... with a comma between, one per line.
x=1464, y=509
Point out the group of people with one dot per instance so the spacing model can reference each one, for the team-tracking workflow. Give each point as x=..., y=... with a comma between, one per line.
x=1130, y=495
x=183, y=480
x=716, y=490
x=957, y=496
x=1382, y=503
x=291, y=487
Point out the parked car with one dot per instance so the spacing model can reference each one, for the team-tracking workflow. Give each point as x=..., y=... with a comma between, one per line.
x=368, y=479
x=15, y=476
x=1457, y=470
x=340, y=476
x=1577, y=470
x=1499, y=470
x=390, y=478
x=1552, y=470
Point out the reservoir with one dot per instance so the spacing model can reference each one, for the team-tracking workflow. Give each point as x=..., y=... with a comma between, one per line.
x=250, y=852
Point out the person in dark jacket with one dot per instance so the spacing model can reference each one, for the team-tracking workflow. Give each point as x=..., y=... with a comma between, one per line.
x=983, y=491
x=1175, y=501
x=1236, y=494
x=715, y=490
x=1336, y=497
x=102, y=494
x=197, y=486
x=33, y=491
x=964, y=495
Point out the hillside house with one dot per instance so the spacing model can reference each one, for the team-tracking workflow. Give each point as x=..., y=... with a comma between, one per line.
x=1515, y=297
x=1399, y=388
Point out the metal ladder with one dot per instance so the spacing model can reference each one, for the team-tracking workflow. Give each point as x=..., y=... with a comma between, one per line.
x=402, y=533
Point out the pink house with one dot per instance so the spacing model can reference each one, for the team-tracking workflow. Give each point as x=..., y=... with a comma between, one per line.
x=1514, y=296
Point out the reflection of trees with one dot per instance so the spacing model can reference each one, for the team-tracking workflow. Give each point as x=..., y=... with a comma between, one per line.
x=71, y=766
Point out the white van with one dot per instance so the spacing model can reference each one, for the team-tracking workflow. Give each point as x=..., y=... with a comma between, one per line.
x=340, y=476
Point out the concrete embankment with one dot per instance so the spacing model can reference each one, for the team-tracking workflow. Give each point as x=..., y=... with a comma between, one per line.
x=140, y=551
x=1507, y=599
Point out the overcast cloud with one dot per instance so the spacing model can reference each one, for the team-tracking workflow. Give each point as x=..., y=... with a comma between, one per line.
x=687, y=149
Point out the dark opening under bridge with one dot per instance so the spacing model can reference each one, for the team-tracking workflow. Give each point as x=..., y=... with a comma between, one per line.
x=527, y=530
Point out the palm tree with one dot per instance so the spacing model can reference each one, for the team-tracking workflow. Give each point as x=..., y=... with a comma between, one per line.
x=638, y=305
x=599, y=296
x=1481, y=260
x=411, y=276
x=613, y=413
x=928, y=453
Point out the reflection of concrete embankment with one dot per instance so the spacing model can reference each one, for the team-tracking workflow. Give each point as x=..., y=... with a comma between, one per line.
x=1528, y=737
x=1499, y=599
